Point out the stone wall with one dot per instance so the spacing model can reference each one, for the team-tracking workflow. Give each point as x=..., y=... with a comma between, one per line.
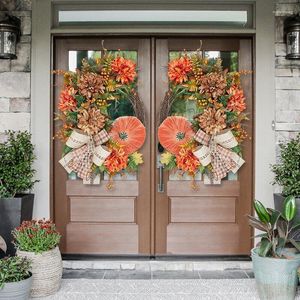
x=15, y=74
x=287, y=82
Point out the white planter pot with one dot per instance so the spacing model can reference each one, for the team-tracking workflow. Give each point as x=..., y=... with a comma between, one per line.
x=46, y=271
x=19, y=290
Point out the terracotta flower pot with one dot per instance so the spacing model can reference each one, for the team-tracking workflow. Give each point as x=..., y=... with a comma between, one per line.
x=46, y=271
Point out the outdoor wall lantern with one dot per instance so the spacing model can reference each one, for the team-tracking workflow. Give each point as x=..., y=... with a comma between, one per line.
x=9, y=36
x=292, y=33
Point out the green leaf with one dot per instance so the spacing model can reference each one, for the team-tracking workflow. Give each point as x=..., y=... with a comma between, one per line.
x=261, y=211
x=275, y=215
x=289, y=208
x=295, y=244
x=295, y=225
x=265, y=247
x=257, y=224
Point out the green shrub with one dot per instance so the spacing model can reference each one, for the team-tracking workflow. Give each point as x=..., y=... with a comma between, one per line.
x=14, y=269
x=16, y=170
x=287, y=171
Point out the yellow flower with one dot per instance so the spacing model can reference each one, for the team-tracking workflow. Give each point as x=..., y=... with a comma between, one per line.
x=166, y=157
x=137, y=158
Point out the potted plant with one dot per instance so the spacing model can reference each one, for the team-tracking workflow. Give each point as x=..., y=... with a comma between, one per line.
x=16, y=179
x=287, y=173
x=37, y=240
x=276, y=258
x=15, y=278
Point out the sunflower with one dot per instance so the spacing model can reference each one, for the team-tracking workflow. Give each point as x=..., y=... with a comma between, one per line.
x=179, y=69
x=124, y=69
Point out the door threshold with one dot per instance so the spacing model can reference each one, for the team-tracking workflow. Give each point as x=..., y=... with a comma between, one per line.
x=159, y=264
x=156, y=257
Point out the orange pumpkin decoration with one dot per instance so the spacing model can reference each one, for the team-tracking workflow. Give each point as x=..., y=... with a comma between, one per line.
x=173, y=132
x=128, y=132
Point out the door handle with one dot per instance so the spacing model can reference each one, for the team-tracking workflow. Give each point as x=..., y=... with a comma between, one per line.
x=161, y=179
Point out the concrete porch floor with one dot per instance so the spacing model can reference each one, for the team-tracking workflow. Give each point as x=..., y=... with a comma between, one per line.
x=170, y=280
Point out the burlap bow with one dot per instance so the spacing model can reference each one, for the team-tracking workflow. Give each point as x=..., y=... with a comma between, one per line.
x=87, y=151
x=216, y=149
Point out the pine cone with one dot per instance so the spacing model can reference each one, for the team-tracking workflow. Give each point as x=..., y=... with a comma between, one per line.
x=212, y=121
x=90, y=85
x=213, y=85
x=90, y=120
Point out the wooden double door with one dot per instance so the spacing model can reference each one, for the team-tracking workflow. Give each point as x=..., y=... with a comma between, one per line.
x=139, y=217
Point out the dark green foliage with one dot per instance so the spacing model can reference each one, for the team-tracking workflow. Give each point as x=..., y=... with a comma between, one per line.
x=17, y=157
x=13, y=269
x=287, y=171
x=278, y=228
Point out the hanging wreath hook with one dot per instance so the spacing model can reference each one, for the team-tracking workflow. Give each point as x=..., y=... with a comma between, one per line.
x=200, y=48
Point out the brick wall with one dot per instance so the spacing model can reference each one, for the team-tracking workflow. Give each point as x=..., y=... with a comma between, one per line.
x=15, y=74
x=287, y=82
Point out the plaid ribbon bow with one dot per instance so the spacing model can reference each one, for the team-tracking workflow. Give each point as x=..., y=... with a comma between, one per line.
x=215, y=149
x=80, y=160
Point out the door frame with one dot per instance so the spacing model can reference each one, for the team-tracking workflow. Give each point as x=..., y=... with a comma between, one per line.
x=264, y=88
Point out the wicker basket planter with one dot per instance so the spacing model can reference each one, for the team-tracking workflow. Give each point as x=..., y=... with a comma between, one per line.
x=46, y=271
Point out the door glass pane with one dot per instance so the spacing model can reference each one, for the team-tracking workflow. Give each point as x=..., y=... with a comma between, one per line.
x=179, y=107
x=217, y=17
x=229, y=59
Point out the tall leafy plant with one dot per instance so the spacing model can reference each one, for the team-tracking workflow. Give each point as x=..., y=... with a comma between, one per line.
x=16, y=167
x=287, y=171
x=278, y=228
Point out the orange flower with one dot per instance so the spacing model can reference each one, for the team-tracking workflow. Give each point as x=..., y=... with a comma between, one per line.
x=187, y=161
x=236, y=101
x=124, y=68
x=67, y=101
x=117, y=161
x=179, y=69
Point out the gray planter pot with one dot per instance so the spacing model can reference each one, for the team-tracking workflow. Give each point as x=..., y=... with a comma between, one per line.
x=278, y=204
x=275, y=278
x=16, y=290
x=13, y=211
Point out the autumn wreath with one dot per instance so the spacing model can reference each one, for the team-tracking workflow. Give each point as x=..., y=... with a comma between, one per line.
x=211, y=142
x=98, y=136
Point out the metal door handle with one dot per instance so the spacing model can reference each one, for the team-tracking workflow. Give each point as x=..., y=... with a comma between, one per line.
x=161, y=179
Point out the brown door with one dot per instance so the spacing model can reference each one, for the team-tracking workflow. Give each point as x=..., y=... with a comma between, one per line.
x=93, y=219
x=211, y=219
x=134, y=218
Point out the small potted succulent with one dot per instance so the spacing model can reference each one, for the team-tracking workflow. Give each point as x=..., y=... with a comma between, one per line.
x=37, y=240
x=276, y=258
x=15, y=278
x=287, y=173
x=16, y=181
